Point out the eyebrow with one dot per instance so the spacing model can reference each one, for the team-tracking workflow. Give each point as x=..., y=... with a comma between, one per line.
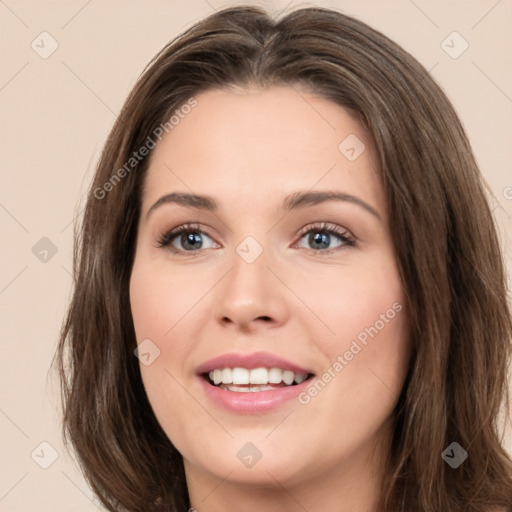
x=291, y=202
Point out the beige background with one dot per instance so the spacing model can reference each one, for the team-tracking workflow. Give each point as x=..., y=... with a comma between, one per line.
x=56, y=113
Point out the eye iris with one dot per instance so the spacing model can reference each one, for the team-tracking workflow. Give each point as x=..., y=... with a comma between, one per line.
x=320, y=238
x=191, y=238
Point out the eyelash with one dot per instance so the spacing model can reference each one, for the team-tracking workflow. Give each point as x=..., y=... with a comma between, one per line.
x=165, y=239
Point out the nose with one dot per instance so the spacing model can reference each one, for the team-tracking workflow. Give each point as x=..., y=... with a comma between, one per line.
x=251, y=296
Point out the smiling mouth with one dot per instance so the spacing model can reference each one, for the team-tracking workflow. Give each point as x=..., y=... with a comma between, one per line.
x=243, y=380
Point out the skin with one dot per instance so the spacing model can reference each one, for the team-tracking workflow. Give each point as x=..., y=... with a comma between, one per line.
x=249, y=148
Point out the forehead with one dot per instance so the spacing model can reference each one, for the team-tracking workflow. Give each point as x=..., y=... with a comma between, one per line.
x=245, y=144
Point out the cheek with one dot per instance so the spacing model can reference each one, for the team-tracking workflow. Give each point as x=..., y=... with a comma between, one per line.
x=368, y=366
x=162, y=305
x=363, y=301
x=367, y=354
x=159, y=298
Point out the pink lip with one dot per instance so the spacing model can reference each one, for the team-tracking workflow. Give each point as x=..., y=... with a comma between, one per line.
x=250, y=403
x=249, y=361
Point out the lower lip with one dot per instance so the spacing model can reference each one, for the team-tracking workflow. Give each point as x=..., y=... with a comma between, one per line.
x=252, y=402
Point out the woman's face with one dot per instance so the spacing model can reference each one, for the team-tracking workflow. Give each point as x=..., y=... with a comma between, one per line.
x=289, y=267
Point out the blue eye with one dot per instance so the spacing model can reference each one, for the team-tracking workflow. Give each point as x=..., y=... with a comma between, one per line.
x=190, y=238
x=320, y=236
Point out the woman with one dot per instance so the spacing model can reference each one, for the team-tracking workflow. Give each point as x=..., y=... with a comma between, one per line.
x=289, y=292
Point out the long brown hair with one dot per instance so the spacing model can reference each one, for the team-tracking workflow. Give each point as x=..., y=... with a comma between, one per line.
x=443, y=231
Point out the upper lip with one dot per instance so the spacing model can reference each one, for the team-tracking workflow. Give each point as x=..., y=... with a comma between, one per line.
x=250, y=361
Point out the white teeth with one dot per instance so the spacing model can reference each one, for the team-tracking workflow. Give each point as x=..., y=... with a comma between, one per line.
x=275, y=375
x=288, y=377
x=240, y=376
x=300, y=377
x=227, y=376
x=250, y=389
x=258, y=378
